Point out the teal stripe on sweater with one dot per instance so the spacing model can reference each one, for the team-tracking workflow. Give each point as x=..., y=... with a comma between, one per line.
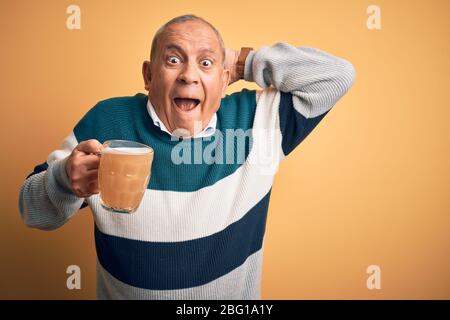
x=127, y=118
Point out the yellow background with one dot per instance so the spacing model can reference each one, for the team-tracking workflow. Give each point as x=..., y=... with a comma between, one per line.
x=369, y=186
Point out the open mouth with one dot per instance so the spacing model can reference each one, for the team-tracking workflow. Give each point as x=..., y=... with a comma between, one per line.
x=186, y=104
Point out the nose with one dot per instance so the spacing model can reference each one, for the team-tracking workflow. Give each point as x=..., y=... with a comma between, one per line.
x=189, y=74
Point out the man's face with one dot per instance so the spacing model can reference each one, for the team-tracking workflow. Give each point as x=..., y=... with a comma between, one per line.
x=186, y=80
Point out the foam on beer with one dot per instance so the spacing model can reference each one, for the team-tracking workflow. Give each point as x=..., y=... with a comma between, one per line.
x=125, y=150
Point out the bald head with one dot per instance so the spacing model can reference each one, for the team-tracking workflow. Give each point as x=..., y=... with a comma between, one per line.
x=180, y=19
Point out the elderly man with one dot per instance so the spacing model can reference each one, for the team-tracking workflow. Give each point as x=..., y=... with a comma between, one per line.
x=198, y=233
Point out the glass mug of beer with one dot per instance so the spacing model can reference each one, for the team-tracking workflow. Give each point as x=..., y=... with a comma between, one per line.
x=123, y=174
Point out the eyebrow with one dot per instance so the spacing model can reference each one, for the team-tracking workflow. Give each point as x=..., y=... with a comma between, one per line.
x=173, y=46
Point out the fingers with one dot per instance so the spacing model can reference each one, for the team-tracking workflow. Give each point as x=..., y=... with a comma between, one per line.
x=81, y=165
x=87, y=185
x=82, y=168
x=86, y=162
x=93, y=187
x=89, y=146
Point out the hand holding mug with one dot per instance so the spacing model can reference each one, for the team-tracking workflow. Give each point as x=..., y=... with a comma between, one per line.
x=82, y=168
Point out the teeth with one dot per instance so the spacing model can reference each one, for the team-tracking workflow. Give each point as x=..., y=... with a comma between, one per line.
x=186, y=104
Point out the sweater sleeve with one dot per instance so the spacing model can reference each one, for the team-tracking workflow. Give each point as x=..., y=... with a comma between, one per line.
x=46, y=201
x=310, y=82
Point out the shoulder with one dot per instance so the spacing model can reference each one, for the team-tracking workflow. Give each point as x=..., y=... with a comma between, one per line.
x=243, y=97
x=113, y=110
x=117, y=103
x=238, y=109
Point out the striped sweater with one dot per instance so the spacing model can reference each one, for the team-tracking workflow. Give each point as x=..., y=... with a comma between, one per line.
x=199, y=231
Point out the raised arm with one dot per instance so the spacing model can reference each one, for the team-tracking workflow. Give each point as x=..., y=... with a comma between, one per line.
x=310, y=82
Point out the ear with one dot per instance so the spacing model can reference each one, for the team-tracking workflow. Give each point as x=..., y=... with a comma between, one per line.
x=226, y=74
x=147, y=74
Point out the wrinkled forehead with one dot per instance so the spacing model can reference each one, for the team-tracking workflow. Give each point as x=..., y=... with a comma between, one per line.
x=190, y=36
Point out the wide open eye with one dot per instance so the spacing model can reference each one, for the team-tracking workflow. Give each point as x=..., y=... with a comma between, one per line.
x=173, y=60
x=206, y=63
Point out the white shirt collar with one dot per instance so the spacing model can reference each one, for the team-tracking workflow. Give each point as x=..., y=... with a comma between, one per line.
x=209, y=130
